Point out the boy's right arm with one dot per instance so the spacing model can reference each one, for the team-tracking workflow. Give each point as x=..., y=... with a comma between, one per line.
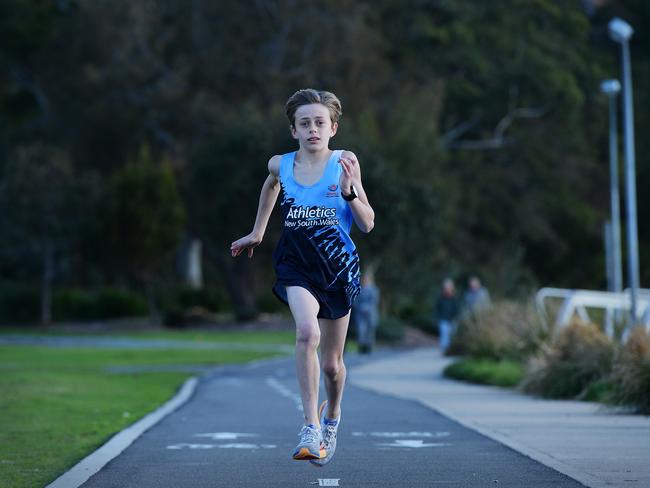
x=268, y=196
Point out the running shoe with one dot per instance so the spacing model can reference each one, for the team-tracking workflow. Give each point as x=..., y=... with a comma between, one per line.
x=328, y=433
x=310, y=445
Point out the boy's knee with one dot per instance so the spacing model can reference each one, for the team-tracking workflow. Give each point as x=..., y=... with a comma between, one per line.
x=307, y=335
x=333, y=367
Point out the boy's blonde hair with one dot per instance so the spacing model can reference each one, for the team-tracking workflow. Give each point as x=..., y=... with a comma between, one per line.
x=308, y=96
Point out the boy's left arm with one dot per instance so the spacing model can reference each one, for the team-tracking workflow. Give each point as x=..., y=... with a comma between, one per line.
x=364, y=215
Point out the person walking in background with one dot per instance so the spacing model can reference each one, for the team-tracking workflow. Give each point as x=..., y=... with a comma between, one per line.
x=447, y=310
x=316, y=262
x=365, y=312
x=476, y=297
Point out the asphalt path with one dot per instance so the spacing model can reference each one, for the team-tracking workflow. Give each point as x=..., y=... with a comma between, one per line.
x=240, y=427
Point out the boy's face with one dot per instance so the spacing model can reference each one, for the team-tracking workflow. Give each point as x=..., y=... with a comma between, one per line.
x=313, y=127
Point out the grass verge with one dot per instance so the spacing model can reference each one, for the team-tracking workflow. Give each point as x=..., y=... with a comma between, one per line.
x=59, y=404
x=486, y=371
x=197, y=335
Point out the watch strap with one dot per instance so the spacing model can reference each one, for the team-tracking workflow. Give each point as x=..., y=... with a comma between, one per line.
x=351, y=196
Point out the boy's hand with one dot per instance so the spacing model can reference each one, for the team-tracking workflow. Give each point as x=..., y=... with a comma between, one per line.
x=249, y=242
x=351, y=173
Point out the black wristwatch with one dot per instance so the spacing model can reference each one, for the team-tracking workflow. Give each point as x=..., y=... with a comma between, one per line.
x=351, y=196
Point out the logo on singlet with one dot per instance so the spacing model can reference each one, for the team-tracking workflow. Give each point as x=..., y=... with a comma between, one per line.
x=300, y=216
x=332, y=191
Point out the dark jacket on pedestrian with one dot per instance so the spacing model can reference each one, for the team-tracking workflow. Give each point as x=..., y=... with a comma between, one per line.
x=447, y=307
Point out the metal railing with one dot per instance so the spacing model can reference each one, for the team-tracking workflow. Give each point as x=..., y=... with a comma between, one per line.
x=576, y=302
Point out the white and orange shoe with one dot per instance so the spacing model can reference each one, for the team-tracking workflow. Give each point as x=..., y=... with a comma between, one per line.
x=310, y=445
x=329, y=428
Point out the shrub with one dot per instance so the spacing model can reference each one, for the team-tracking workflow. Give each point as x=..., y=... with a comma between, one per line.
x=424, y=322
x=579, y=356
x=114, y=303
x=73, y=304
x=406, y=309
x=601, y=390
x=390, y=329
x=197, y=315
x=269, y=303
x=486, y=371
x=173, y=317
x=415, y=313
x=183, y=305
x=209, y=298
x=631, y=372
x=507, y=330
x=19, y=303
x=107, y=303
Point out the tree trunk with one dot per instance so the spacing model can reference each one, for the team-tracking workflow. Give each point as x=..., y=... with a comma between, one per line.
x=46, y=284
x=189, y=262
x=152, y=305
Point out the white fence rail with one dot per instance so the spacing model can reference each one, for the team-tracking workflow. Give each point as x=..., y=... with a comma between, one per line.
x=576, y=302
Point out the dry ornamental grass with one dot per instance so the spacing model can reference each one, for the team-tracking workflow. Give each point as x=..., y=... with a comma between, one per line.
x=578, y=356
x=507, y=330
x=631, y=372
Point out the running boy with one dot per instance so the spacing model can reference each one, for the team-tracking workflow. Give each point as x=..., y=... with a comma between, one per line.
x=316, y=262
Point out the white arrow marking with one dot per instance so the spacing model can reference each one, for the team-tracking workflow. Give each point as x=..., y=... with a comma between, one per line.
x=225, y=436
x=413, y=443
x=191, y=446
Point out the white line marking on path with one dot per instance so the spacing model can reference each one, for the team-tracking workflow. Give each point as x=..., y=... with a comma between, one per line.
x=191, y=446
x=401, y=434
x=91, y=464
x=412, y=443
x=225, y=436
x=184, y=445
x=285, y=392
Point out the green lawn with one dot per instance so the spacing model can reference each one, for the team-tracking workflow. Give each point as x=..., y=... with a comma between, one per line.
x=260, y=337
x=247, y=337
x=58, y=404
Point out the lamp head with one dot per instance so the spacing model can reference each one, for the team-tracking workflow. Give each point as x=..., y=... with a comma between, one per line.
x=611, y=88
x=619, y=30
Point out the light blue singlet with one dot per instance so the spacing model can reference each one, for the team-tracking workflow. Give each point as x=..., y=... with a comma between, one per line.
x=315, y=250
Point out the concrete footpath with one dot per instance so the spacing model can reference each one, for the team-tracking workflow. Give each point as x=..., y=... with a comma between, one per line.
x=593, y=444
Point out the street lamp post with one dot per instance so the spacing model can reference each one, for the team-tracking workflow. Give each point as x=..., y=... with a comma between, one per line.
x=611, y=88
x=620, y=32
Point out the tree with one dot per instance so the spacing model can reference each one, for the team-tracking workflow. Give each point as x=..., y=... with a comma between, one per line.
x=40, y=212
x=516, y=82
x=479, y=125
x=222, y=185
x=141, y=220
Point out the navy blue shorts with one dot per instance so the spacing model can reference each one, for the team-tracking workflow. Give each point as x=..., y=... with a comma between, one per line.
x=334, y=304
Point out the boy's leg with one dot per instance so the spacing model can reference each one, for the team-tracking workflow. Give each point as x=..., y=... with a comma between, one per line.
x=332, y=344
x=333, y=333
x=304, y=309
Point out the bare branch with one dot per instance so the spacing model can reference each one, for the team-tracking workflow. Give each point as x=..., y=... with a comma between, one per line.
x=498, y=138
x=28, y=84
x=454, y=133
